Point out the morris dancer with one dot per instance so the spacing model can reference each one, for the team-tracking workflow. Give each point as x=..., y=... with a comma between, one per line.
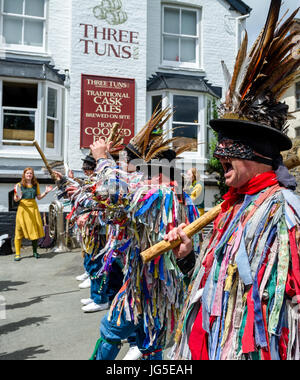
x=151, y=297
x=244, y=295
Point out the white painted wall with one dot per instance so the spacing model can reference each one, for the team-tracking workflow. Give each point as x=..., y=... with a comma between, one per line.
x=144, y=17
x=290, y=99
x=59, y=33
x=218, y=34
x=92, y=64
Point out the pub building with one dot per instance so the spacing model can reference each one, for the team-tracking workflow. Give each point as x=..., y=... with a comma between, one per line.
x=70, y=69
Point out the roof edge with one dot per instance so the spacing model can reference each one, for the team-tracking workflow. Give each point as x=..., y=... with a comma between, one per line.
x=240, y=6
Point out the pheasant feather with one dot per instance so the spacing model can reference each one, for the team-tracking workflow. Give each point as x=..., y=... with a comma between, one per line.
x=261, y=76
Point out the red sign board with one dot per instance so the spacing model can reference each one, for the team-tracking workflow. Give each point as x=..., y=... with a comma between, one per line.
x=105, y=101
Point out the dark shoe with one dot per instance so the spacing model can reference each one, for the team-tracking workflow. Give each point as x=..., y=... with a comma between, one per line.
x=17, y=258
x=37, y=255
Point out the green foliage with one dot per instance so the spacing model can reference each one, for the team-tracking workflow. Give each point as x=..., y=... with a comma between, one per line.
x=214, y=165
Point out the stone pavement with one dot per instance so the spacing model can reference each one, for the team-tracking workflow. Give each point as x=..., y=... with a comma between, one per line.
x=40, y=310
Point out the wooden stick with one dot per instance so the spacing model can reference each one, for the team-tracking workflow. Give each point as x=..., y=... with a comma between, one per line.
x=53, y=176
x=195, y=227
x=190, y=230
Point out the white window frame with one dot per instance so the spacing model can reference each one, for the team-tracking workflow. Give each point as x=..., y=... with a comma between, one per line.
x=168, y=100
x=12, y=150
x=30, y=152
x=18, y=109
x=23, y=47
x=200, y=153
x=57, y=150
x=179, y=64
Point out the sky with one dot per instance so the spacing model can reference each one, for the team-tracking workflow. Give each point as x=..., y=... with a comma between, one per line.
x=259, y=14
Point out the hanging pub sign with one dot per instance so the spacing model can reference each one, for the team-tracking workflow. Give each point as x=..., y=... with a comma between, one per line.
x=105, y=101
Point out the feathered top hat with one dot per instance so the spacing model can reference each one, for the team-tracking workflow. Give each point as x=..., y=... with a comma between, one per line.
x=154, y=151
x=252, y=112
x=152, y=140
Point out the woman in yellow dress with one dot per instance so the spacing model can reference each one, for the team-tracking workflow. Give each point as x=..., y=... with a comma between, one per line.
x=195, y=188
x=28, y=220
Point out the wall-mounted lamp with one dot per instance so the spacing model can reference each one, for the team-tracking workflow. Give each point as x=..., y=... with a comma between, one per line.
x=67, y=82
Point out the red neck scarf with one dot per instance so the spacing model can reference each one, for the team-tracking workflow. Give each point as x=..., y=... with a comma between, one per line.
x=198, y=340
x=255, y=185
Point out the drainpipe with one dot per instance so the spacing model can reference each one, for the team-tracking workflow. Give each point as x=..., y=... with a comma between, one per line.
x=66, y=128
x=238, y=21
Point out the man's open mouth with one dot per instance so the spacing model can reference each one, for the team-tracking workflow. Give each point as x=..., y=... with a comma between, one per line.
x=227, y=167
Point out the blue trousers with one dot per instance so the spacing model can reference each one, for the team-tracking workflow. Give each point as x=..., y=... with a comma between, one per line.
x=92, y=267
x=110, y=287
x=86, y=260
x=109, y=345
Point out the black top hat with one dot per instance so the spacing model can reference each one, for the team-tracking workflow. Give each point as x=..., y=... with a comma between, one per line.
x=165, y=163
x=152, y=142
x=262, y=138
x=89, y=163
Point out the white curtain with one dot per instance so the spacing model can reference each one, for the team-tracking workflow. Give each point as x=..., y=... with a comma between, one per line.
x=34, y=8
x=172, y=21
x=171, y=48
x=189, y=23
x=188, y=50
x=12, y=30
x=33, y=33
x=13, y=6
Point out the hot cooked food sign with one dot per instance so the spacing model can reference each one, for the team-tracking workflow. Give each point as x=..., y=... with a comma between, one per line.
x=105, y=101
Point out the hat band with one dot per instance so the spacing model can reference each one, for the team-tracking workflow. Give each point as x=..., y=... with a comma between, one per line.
x=239, y=150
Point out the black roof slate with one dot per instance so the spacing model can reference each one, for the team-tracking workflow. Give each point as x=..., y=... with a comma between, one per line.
x=240, y=6
x=25, y=68
x=163, y=81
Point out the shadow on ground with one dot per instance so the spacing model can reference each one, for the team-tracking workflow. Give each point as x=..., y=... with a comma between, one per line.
x=27, y=353
x=6, y=285
x=35, y=300
x=22, y=305
x=11, y=327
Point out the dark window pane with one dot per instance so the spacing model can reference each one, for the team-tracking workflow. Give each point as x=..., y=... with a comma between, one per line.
x=19, y=95
x=18, y=125
x=186, y=109
x=156, y=103
x=50, y=133
x=52, y=103
x=189, y=133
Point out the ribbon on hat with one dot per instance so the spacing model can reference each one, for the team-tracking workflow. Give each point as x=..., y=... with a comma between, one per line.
x=283, y=175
